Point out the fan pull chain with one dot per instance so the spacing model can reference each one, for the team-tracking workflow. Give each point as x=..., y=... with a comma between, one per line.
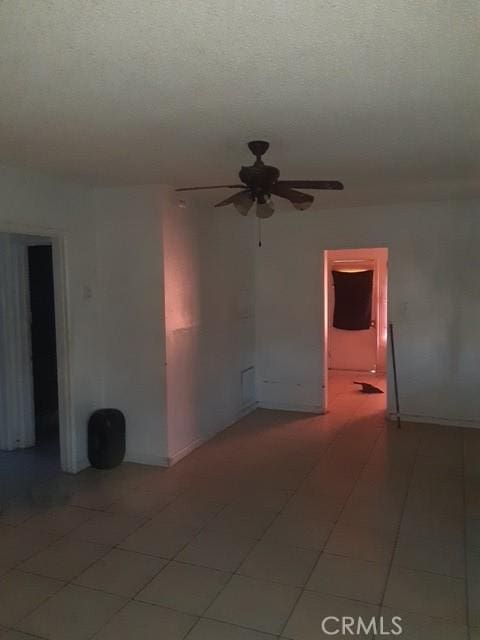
x=259, y=232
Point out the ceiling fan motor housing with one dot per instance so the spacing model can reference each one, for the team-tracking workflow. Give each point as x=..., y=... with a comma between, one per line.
x=259, y=178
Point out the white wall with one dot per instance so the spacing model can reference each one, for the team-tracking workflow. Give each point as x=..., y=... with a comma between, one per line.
x=146, y=279
x=131, y=305
x=33, y=203
x=209, y=263
x=434, y=302
x=115, y=299
x=115, y=262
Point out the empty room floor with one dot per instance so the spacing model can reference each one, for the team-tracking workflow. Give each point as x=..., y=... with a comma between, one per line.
x=23, y=469
x=341, y=387
x=281, y=520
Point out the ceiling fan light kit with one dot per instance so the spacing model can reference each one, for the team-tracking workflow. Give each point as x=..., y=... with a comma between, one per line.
x=260, y=182
x=242, y=202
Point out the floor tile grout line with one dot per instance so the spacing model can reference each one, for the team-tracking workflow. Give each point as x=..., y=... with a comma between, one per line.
x=66, y=583
x=431, y=573
x=69, y=582
x=48, y=546
x=303, y=589
x=233, y=624
x=169, y=561
x=295, y=493
x=148, y=521
x=417, y=455
x=235, y=573
x=126, y=598
x=397, y=536
x=105, y=510
x=311, y=471
x=173, y=559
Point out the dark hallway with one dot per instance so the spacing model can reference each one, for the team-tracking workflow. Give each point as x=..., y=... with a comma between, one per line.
x=44, y=352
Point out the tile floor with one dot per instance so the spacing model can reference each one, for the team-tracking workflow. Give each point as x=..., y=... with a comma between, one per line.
x=281, y=520
x=22, y=469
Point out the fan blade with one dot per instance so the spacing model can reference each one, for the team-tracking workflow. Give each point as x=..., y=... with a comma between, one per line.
x=229, y=200
x=242, y=201
x=218, y=186
x=265, y=209
x=299, y=200
x=312, y=184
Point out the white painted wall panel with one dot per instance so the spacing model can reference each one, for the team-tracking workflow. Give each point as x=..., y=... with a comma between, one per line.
x=209, y=297
x=131, y=304
x=434, y=301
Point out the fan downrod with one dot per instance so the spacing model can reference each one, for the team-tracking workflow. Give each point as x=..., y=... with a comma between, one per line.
x=258, y=147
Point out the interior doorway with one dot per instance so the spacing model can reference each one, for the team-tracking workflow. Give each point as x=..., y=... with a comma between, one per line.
x=35, y=406
x=356, y=301
x=43, y=343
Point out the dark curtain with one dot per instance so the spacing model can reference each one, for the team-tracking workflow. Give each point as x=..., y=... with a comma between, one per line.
x=353, y=300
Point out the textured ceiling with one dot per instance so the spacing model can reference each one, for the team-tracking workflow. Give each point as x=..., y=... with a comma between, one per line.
x=383, y=95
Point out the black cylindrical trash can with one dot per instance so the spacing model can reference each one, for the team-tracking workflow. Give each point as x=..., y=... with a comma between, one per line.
x=106, y=438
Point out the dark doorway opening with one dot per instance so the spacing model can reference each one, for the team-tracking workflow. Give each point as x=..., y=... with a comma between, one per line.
x=44, y=349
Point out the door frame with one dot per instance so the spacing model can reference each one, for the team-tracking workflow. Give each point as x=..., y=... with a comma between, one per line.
x=324, y=394
x=15, y=393
x=367, y=263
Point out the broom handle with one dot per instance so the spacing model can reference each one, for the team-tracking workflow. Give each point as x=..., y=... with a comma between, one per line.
x=395, y=382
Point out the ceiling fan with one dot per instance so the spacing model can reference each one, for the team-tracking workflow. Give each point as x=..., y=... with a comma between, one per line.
x=261, y=182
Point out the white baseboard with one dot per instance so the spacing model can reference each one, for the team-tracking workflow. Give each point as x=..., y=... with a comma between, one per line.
x=303, y=408
x=132, y=457
x=244, y=411
x=182, y=453
x=447, y=422
x=177, y=456
x=152, y=460
x=164, y=461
